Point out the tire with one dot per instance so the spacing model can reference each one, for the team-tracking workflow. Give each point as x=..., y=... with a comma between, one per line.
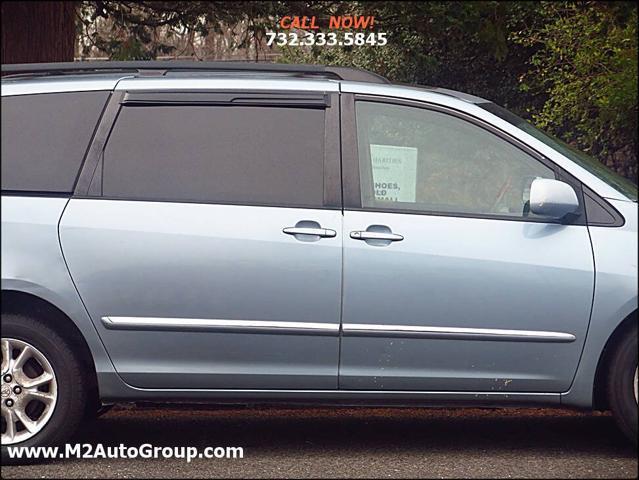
x=621, y=384
x=69, y=392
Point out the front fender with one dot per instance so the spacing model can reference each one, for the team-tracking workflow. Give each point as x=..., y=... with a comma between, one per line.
x=615, y=254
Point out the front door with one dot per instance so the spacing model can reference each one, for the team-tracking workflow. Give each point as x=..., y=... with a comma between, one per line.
x=450, y=284
x=212, y=257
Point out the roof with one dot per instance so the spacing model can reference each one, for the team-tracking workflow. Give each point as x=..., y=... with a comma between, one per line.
x=163, y=68
x=104, y=75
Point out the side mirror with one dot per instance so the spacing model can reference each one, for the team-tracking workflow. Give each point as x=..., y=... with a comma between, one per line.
x=552, y=198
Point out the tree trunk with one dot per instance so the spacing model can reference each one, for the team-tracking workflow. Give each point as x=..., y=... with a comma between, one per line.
x=38, y=32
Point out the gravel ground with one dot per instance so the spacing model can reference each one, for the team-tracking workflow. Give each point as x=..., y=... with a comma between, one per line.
x=348, y=442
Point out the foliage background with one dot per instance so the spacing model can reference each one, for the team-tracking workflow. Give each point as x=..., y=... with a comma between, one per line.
x=569, y=67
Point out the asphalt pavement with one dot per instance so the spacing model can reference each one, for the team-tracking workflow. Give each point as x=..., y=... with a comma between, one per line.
x=351, y=442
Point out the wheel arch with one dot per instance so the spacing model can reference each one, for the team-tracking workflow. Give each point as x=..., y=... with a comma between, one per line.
x=600, y=400
x=31, y=305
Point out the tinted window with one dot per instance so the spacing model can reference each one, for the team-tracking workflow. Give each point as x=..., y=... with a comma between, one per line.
x=45, y=138
x=251, y=155
x=418, y=159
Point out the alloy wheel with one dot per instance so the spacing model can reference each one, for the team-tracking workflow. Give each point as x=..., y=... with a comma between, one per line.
x=29, y=391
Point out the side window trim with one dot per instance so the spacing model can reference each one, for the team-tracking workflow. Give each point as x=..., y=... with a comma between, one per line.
x=83, y=184
x=599, y=212
x=218, y=97
x=350, y=160
x=89, y=182
x=351, y=188
x=332, y=160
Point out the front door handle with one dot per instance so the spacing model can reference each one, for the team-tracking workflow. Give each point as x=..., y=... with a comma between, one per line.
x=377, y=236
x=366, y=235
x=319, y=232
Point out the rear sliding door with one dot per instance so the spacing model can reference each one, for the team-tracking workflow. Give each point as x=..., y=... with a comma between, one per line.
x=207, y=248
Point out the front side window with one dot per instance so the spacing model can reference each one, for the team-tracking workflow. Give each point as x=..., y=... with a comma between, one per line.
x=217, y=154
x=418, y=159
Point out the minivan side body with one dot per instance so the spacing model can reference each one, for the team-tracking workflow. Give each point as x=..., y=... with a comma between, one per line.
x=232, y=240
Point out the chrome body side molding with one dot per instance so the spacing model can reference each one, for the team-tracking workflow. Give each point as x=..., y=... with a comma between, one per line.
x=454, y=333
x=318, y=328
x=216, y=325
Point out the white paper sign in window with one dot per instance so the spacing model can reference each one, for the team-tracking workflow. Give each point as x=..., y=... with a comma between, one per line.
x=394, y=172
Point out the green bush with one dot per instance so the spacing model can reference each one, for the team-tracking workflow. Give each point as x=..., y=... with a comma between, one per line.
x=587, y=67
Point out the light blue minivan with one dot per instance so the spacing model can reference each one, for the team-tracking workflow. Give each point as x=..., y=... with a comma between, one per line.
x=260, y=233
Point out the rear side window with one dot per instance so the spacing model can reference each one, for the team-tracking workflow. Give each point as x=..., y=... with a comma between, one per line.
x=45, y=138
x=217, y=154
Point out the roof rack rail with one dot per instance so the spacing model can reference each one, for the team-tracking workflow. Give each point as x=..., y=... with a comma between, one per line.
x=160, y=67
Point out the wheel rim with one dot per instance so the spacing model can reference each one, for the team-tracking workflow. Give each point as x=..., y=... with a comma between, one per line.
x=29, y=391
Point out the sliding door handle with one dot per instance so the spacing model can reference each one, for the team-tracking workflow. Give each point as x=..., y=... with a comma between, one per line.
x=319, y=232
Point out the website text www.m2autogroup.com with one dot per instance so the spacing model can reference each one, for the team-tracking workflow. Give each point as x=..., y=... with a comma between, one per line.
x=121, y=451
